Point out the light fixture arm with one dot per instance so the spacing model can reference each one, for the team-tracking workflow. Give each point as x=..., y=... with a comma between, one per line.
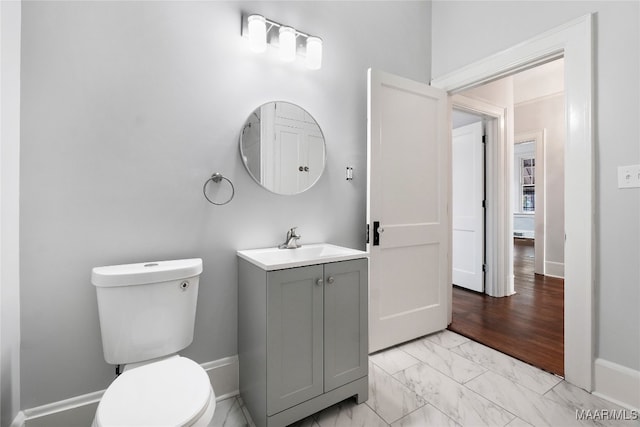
x=271, y=24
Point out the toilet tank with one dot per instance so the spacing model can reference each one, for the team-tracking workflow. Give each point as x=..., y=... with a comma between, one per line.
x=146, y=310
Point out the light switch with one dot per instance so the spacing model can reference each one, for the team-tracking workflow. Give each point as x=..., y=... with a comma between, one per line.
x=629, y=176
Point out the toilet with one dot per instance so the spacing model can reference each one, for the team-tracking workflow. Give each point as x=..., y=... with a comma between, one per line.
x=147, y=315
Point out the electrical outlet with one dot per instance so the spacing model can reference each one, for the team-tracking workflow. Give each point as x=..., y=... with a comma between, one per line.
x=349, y=173
x=629, y=176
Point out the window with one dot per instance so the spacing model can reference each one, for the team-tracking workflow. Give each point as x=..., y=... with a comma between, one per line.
x=528, y=185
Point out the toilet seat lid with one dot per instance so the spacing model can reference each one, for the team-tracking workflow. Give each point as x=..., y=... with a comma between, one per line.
x=171, y=392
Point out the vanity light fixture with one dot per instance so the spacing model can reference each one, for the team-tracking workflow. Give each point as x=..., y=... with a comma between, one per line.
x=289, y=41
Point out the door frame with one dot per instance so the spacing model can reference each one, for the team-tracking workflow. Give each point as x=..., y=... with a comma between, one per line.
x=498, y=244
x=539, y=137
x=574, y=42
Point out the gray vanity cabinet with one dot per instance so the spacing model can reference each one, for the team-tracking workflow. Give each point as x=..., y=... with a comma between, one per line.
x=294, y=336
x=302, y=338
x=345, y=322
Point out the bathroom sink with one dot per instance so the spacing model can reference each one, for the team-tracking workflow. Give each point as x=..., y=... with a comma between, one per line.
x=319, y=253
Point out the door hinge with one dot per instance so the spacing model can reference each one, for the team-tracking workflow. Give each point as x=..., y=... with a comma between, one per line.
x=484, y=204
x=484, y=139
x=367, y=233
x=484, y=268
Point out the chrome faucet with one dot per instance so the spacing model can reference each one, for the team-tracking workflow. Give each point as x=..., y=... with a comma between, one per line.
x=292, y=240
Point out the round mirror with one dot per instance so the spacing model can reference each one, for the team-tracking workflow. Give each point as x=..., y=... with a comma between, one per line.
x=282, y=148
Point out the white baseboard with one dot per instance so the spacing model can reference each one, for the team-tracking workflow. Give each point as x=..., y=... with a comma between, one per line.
x=223, y=374
x=63, y=405
x=79, y=410
x=554, y=269
x=19, y=420
x=617, y=383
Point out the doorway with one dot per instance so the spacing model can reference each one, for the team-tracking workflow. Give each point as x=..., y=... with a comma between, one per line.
x=529, y=323
x=572, y=40
x=529, y=215
x=468, y=196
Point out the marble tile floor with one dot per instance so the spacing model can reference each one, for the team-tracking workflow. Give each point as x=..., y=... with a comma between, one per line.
x=445, y=379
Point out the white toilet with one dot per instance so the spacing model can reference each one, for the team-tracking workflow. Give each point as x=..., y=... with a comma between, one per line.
x=147, y=314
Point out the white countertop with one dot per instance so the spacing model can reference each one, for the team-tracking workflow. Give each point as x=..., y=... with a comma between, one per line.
x=318, y=253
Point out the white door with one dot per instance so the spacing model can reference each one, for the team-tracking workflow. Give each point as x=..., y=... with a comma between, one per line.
x=287, y=146
x=292, y=148
x=467, y=206
x=407, y=201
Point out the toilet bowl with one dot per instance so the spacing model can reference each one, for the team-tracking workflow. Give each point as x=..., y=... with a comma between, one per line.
x=172, y=392
x=147, y=315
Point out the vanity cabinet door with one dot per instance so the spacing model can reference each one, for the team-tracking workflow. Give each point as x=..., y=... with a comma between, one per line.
x=345, y=322
x=294, y=336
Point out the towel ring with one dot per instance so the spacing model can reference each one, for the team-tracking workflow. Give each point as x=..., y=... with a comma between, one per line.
x=217, y=178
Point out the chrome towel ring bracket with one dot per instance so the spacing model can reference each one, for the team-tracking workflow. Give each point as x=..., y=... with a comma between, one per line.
x=217, y=178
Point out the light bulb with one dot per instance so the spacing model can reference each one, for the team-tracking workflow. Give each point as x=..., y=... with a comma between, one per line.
x=257, y=33
x=314, y=53
x=287, y=40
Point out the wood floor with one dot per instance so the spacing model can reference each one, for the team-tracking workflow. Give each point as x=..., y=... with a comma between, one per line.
x=528, y=325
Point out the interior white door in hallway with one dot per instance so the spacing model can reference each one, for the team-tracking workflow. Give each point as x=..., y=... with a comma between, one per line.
x=468, y=207
x=408, y=193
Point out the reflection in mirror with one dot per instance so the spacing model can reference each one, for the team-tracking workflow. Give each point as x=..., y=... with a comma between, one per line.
x=283, y=148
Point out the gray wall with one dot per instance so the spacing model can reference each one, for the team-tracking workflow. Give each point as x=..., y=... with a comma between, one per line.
x=9, y=212
x=467, y=31
x=128, y=107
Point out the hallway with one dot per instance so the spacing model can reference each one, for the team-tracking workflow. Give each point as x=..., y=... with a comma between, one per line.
x=528, y=325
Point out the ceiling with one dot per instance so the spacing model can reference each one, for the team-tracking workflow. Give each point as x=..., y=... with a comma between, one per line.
x=538, y=82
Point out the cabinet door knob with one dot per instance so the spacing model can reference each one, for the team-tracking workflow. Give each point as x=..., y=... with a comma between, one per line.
x=319, y=282
x=330, y=280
